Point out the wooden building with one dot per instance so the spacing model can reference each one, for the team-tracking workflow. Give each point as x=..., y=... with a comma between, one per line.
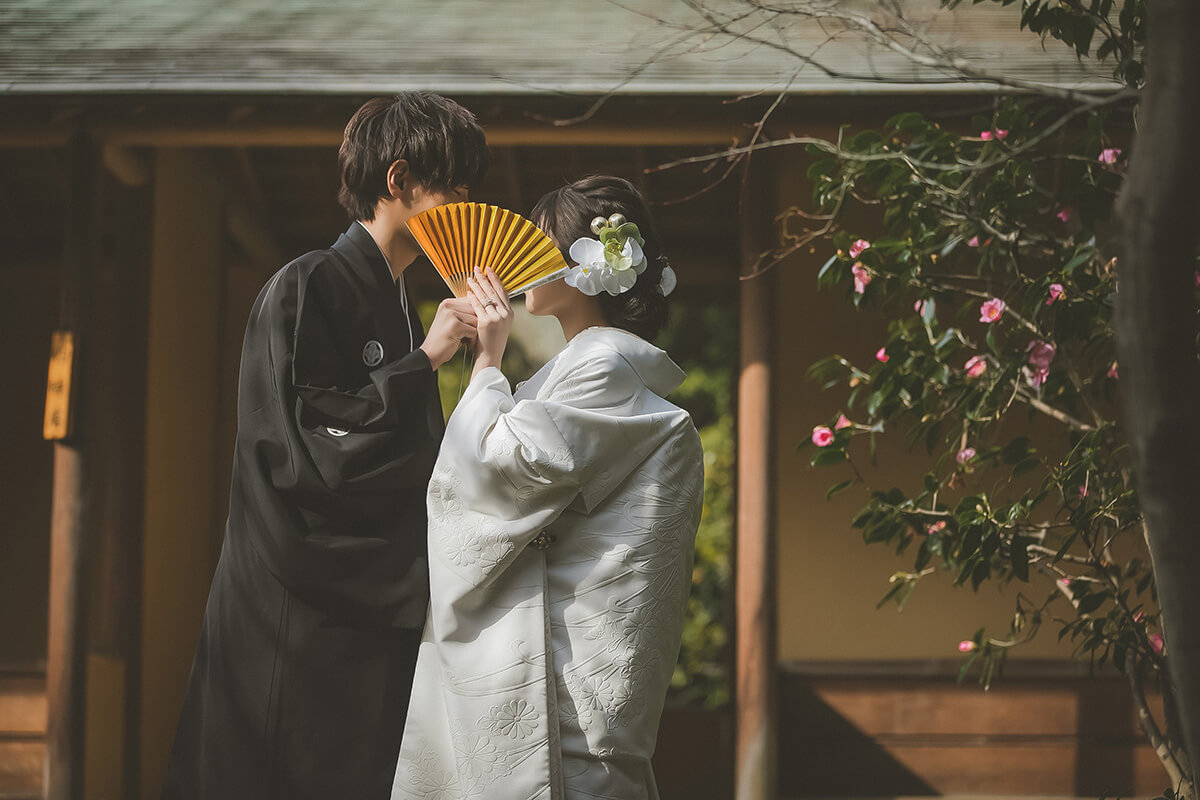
x=158, y=161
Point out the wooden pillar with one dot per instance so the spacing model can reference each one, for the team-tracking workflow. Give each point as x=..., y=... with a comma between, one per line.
x=117, y=367
x=755, y=771
x=66, y=643
x=182, y=388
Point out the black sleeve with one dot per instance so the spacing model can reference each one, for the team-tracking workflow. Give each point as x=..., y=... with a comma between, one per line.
x=358, y=428
x=345, y=455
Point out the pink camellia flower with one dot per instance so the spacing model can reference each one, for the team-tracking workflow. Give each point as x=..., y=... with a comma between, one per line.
x=822, y=436
x=1112, y=371
x=842, y=422
x=1041, y=353
x=975, y=366
x=1109, y=155
x=973, y=241
x=1037, y=376
x=1056, y=291
x=985, y=135
x=966, y=646
x=965, y=455
x=1064, y=214
x=1156, y=643
x=991, y=310
x=936, y=527
x=881, y=355
x=861, y=277
x=919, y=307
x=858, y=247
x=1083, y=491
x=1001, y=133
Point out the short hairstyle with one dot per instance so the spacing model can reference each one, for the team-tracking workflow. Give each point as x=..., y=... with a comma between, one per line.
x=566, y=214
x=441, y=141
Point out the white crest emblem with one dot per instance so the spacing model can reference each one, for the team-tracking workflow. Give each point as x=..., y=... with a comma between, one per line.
x=373, y=354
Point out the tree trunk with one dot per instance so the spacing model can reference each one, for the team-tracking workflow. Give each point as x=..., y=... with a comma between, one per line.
x=1156, y=337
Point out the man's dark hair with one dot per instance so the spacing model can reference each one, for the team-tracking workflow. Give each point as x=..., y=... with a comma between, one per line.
x=441, y=141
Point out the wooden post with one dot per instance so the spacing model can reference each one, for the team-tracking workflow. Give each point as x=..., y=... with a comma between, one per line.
x=755, y=773
x=65, y=658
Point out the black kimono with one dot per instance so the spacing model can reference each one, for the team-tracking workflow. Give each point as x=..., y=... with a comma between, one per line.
x=302, y=677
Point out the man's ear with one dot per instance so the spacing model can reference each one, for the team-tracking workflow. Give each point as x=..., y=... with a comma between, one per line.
x=398, y=178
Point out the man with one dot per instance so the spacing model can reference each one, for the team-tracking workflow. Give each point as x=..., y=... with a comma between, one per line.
x=302, y=677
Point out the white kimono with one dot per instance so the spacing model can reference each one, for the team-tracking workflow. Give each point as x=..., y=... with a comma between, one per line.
x=561, y=528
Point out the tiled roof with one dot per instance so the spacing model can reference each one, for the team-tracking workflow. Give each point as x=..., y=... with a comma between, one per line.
x=470, y=47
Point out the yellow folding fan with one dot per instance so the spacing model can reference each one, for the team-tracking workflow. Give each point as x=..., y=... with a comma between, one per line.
x=461, y=236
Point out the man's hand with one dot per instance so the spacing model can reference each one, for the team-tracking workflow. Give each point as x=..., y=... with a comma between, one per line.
x=453, y=325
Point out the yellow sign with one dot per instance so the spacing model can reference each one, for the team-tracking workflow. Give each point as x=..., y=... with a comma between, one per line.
x=59, y=419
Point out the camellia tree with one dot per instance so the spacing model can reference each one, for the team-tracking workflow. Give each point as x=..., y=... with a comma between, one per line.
x=993, y=249
x=992, y=257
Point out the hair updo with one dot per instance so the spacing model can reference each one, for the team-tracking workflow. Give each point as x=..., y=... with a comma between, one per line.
x=566, y=214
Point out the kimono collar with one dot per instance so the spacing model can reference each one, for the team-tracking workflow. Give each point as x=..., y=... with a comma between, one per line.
x=655, y=368
x=358, y=247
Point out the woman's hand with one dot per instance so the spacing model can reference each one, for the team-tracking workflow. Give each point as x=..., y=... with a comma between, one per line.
x=493, y=315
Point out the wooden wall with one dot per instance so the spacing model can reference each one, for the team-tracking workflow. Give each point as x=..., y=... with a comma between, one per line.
x=851, y=730
x=28, y=314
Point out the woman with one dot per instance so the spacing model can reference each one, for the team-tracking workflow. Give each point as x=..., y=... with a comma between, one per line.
x=561, y=526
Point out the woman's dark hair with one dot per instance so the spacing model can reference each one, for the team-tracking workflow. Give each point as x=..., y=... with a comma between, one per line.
x=441, y=141
x=566, y=214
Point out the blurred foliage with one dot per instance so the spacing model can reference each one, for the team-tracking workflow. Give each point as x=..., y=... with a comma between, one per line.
x=701, y=338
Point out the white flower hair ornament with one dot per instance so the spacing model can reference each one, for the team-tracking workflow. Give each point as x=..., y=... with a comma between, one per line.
x=613, y=261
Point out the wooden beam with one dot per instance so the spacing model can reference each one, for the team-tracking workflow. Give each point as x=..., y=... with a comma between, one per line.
x=125, y=165
x=755, y=748
x=187, y=134
x=34, y=135
x=66, y=643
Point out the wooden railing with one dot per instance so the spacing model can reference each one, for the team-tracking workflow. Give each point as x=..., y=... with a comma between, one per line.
x=22, y=732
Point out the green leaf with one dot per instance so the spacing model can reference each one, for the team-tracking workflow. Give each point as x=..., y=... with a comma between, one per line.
x=982, y=572
x=1026, y=465
x=822, y=168
x=1079, y=260
x=891, y=594
x=827, y=456
x=837, y=488
x=1018, y=555
x=1089, y=603
x=825, y=267
x=1016, y=450
x=924, y=554
x=991, y=340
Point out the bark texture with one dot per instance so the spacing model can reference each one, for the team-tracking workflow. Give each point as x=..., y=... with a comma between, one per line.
x=1156, y=326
